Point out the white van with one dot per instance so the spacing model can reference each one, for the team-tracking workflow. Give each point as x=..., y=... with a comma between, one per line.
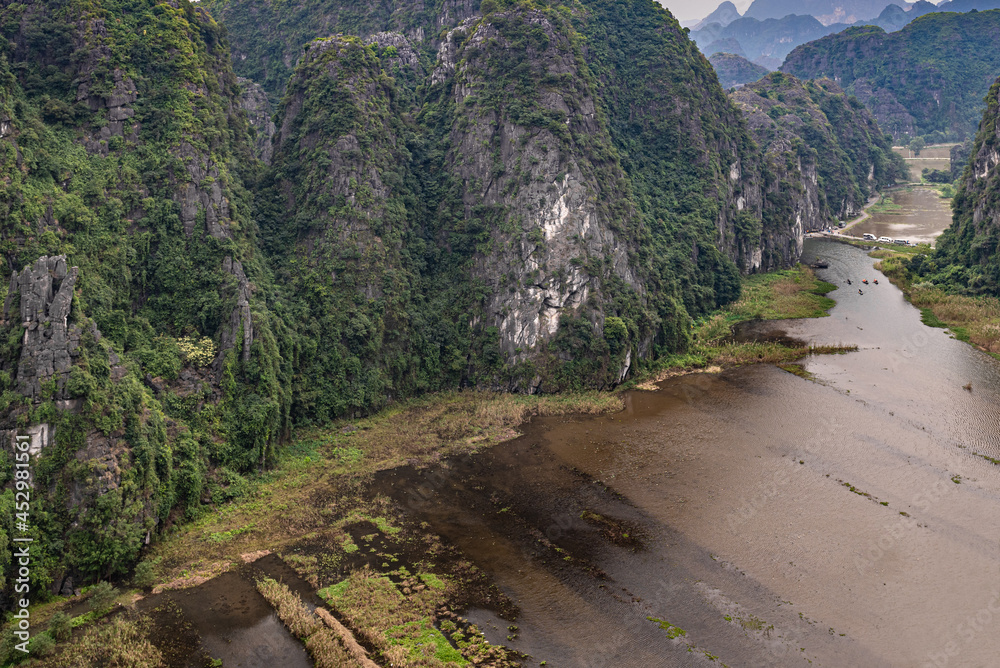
x=901, y=242
x=884, y=240
x=869, y=237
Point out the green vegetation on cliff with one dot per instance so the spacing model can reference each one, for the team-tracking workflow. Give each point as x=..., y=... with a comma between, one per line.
x=927, y=79
x=734, y=70
x=536, y=199
x=820, y=142
x=121, y=151
x=958, y=285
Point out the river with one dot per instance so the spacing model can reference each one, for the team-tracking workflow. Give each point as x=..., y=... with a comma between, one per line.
x=754, y=517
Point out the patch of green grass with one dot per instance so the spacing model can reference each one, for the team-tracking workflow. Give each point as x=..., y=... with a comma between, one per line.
x=672, y=631
x=349, y=546
x=226, y=536
x=928, y=318
x=432, y=581
x=961, y=333
x=414, y=636
x=885, y=205
x=791, y=293
x=798, y=370
x=334, y=592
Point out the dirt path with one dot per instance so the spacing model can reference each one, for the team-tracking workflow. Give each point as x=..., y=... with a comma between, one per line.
x=864, y=213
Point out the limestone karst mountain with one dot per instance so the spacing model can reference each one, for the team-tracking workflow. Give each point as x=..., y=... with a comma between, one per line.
x=395, y=198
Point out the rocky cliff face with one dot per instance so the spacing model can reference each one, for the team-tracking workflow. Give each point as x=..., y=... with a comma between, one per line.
x=340, y=170
x=972, y=242
x=813, y=132
x=253, y=100
x=44, y=292
x=535, y=188
x=269, y=38
x=129, y=297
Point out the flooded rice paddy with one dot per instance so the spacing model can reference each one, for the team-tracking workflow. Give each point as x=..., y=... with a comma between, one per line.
x=226, y=619
x=922, y=216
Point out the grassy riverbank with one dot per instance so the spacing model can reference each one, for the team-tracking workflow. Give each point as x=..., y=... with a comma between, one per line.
x=973, y=319
x=312, y=509
x=780, y=295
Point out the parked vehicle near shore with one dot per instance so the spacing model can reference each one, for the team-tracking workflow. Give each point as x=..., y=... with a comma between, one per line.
x=869, y=237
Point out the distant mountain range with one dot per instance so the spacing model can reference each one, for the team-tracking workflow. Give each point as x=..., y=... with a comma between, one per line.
x=724, y=14
x=927, y=79
x=771, y=29
x=827, y=11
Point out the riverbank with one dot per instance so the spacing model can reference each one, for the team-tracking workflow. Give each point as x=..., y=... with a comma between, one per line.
x=865, y=214
x=359, y=551
x=973, y=319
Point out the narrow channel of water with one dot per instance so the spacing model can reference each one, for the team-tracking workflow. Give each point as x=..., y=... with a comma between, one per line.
x=849, y=520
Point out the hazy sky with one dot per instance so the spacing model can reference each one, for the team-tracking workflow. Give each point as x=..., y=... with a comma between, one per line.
x=684, y=10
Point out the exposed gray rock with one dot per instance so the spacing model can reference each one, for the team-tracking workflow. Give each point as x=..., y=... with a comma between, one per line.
x=405, y=56
x=447, y=56
x=537, y=272
x=118, y=111
x=50, y=344
x=201, y=192
x=240, y=317
x=253, y=100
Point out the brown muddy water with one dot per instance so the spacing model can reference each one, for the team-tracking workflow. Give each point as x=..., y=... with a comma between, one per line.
x=752, y=517
x=227, y=619
x=923, y=217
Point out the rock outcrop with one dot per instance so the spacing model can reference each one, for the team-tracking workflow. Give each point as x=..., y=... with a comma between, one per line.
x=533, y=185
x=253, y=100
x=44, y=293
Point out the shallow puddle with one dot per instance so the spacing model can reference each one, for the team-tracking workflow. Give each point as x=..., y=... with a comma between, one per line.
x=225, y=618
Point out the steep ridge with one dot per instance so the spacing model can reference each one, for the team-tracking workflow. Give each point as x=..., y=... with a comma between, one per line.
x=927, y=79
x=813, y=133
x=533, y=205
x=136, y=350
x=268, y=37
x=971, y=244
